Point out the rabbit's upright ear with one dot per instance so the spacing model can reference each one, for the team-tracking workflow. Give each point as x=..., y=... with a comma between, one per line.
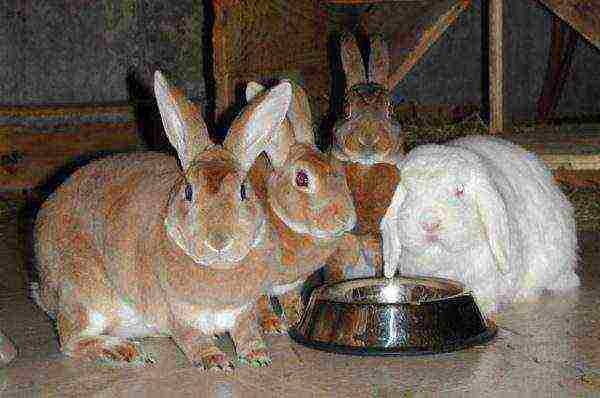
x=300, y=116
x=182, y=120
x=379, y=61
x=493, y=215
x=352, y=61
x=253, y=130
x=392, y=247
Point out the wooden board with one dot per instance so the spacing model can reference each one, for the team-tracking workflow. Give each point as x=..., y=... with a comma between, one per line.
x=582, y=15
x=411, y=29
x=37, y=155
x=268, y=40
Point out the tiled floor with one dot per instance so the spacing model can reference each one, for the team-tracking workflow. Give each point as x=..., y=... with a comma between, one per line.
x=548, y=349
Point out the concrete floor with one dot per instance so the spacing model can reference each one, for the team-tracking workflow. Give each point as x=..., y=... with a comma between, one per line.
x=547, y=349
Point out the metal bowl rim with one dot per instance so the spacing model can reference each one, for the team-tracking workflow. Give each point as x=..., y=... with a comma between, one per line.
x=318, y=292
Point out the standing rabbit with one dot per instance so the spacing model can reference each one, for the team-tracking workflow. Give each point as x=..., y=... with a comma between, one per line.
x=486, y=212
x=307, y=204
x=368, y=140
x=138, y=245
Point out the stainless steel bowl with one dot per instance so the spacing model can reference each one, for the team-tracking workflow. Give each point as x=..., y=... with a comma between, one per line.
x=399, y=316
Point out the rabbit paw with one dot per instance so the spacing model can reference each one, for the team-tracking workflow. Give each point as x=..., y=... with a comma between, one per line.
x=273, y=325
x=7, y=350
x=112, y=350
x=215, y=362
x=256, y=355
x=256, y=358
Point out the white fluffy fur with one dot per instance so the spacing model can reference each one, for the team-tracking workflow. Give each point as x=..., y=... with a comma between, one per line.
x=497, y=221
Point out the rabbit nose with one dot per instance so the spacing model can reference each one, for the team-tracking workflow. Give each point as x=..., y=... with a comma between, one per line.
x=368, y=139
x=219, y=241
x=430, y=223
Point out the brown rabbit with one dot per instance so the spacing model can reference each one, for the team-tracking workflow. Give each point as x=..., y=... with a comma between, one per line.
x=7, y=350
x=308, y=205
x=136, y=245
x=369, y=141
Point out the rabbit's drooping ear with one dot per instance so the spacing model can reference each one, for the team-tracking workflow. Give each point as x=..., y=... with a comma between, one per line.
x=252, y=131
x=352, y=62
x=182, y=120
x=392, y=247
x=493, y=215
x=379, y=61
x=300, y=116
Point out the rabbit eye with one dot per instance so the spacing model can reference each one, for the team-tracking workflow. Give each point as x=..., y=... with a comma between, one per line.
x=243, y=191
x=460, y=191
x=301, y=178
x=189, y=192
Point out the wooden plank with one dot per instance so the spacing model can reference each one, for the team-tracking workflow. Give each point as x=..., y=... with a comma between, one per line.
x=428, y=36
x=265, y=40
x=39, y=154
x=495, y=67
x=65, y=110
x=583, y=16
x=358, y=2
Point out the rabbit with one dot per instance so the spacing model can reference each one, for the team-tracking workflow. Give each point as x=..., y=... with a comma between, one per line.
x=140, y=245
x=308, y=205
x=7, y=350
x=485, y=212
x=369, y=141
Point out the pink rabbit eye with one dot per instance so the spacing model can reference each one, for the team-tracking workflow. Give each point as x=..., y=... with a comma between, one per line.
x=189, y=192
x=460, y=191
x=301, y=179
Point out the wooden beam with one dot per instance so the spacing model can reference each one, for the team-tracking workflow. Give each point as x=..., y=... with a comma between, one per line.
x=495, y=67
x=355, y=2
x=583, y=16
x=429, y=36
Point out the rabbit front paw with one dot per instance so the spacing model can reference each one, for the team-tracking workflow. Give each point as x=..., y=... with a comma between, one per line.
x=218, y=361
x=273, y=325
x=7, y=350
x=257, y=356
x=113, y=350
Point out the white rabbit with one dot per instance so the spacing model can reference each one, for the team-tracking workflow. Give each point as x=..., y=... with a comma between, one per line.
x=486, y=212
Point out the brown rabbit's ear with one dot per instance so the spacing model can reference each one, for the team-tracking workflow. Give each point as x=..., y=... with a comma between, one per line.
x=182, y=120
x=352, y=61
x=300, y=116
x=253, y=130
x=379, y=61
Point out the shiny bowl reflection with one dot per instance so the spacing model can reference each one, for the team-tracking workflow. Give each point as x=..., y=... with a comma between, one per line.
x=399, y=316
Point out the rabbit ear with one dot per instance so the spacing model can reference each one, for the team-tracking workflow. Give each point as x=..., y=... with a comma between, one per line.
x=253, y=89
x=182, y=120
x=352, y=62
x=392, y=247
x=252, y=131
x=300, y=116
x=493, y=215
x=379, y=61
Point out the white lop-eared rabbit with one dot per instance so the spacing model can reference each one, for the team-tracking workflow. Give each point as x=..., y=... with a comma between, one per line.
x=142, y=244
x=485, y=212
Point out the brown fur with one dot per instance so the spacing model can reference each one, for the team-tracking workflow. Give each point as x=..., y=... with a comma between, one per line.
x=324, y=209
x=370, y=143
x=112, y=270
